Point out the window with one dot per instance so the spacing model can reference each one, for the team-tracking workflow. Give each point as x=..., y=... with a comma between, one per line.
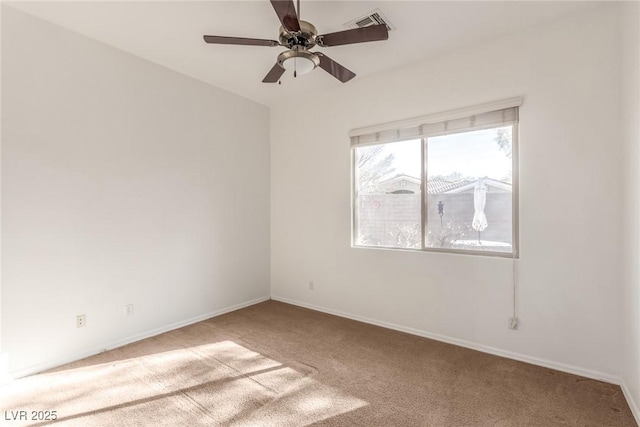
x=439, y=183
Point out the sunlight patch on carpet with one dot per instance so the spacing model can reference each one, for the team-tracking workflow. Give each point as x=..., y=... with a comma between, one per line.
x=222, y=383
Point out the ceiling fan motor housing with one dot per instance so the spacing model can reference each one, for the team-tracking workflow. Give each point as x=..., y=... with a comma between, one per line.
x=305, y=38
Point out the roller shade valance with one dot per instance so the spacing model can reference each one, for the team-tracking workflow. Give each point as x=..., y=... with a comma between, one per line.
x=500, y=113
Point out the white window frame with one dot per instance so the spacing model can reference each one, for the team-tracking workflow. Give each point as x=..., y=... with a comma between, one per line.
x=435, y=125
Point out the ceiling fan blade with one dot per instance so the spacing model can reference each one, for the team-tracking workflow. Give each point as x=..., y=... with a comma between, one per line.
x=357, y=35
x=274, y=74
x=286, y=12
x=335, y=69
x=240, y=40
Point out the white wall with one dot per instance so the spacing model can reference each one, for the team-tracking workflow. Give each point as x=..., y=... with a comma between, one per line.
x=122, y=183
x=630, y=49
x=4, y=360
x=569, y=297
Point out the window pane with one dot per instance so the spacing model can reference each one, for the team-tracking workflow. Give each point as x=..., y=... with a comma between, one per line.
x=469, y=197
x=387, y=187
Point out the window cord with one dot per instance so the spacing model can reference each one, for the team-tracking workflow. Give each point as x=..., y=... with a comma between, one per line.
x=515, y=280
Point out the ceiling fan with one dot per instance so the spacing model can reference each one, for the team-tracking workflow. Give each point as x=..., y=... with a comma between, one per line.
x=298, y=37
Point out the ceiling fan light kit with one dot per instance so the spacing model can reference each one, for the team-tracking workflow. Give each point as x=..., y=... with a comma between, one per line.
x=298, y=37
x=299, y=60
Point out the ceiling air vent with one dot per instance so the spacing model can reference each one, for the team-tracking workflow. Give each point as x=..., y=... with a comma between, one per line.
x=372, y=18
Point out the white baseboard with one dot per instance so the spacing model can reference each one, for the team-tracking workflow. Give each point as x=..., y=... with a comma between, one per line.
x=463, y=343
x=630, y=401
x=34, y=369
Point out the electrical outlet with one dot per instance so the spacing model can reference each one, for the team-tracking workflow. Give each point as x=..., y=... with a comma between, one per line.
x=81, y=321
x=311, y=285
x=128, y=310
x=513, y=323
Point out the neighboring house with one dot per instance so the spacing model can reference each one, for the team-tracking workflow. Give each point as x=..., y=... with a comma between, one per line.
x=389, y=213
x=400, y=184
x=439, y=184
x=454, y=229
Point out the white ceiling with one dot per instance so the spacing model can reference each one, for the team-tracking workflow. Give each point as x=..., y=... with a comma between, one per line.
x=170, y=33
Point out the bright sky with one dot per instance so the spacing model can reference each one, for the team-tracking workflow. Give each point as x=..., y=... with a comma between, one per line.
x=472, y=154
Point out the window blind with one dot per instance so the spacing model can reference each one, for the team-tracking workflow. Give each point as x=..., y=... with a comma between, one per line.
x=501, y=113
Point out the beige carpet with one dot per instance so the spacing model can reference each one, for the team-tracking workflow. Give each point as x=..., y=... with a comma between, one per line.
x=274, y=364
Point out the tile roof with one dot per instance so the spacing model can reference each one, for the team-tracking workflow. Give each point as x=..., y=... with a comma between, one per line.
x=438, y=184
